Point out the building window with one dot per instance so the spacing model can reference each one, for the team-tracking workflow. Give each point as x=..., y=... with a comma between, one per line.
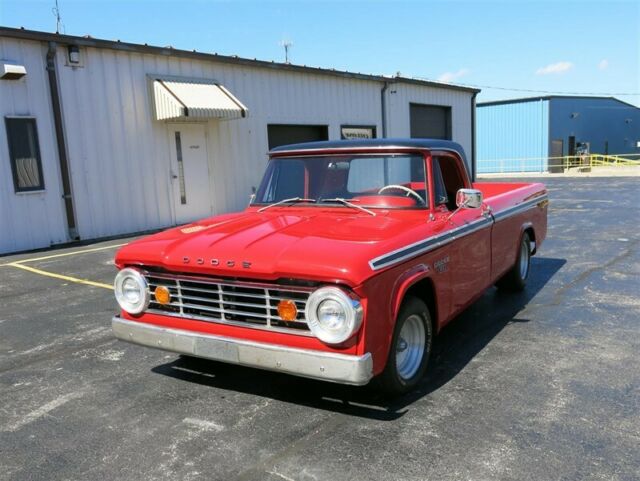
x=430, y=121
x=281, y=134
x=355, y=132
x=24, y=153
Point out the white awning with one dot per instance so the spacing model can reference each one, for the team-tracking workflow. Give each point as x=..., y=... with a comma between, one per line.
x=175, y=99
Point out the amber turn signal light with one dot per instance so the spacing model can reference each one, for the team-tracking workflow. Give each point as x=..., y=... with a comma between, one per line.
x=287, y=310
x=162, y=295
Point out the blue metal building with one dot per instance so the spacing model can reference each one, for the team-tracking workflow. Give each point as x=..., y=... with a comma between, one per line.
x=520, y=134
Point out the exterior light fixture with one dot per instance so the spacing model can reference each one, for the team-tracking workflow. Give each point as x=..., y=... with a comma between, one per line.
x=287, y=310
x=74, y=54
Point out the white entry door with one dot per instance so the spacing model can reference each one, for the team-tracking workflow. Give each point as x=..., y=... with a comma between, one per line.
x=189, y=172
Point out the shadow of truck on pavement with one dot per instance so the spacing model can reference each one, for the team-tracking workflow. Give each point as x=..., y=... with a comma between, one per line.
x=457, y=344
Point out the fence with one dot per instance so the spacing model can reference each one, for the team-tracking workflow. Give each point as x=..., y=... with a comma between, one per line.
x=557, y=164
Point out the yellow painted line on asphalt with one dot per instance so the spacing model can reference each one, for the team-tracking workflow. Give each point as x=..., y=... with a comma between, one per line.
x=65, y=254
x=59, y=276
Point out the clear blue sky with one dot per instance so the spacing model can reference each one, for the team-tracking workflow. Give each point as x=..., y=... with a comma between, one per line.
x=560, y=46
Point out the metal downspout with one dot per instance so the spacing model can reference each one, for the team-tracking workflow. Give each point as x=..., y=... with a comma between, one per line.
x=60, y=140
x=473, y=137
x=383, y=106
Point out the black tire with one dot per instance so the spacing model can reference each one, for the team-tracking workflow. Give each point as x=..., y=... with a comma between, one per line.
x=391, y=381
x=516, y=279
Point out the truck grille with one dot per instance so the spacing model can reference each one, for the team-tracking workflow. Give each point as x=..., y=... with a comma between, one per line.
x=229, y=302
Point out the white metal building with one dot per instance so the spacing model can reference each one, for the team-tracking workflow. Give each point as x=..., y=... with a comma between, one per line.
x=104, y=138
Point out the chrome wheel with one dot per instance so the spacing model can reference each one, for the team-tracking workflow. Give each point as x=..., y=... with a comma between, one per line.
x=410, y=347
x=524, y=259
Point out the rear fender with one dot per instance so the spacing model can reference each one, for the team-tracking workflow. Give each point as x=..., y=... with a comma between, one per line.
x=529, y=226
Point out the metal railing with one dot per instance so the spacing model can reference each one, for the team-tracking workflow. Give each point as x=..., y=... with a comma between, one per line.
x=557, y=164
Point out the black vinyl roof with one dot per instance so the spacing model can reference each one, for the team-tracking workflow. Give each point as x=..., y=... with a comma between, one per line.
x=373, y=144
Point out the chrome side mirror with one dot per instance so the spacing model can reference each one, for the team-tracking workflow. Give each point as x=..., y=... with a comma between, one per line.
x=469, y=199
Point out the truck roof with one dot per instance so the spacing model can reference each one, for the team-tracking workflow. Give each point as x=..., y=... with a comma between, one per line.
x=433, y=144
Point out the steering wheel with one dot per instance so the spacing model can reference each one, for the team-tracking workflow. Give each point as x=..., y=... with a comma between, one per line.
x=402, y=187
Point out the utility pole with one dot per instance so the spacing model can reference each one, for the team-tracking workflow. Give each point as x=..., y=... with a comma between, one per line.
x=286, y=44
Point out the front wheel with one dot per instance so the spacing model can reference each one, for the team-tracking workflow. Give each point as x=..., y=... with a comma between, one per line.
x=410, y=348
x=516, y=279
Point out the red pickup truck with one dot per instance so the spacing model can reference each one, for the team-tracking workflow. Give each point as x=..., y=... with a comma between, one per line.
x=350, y=258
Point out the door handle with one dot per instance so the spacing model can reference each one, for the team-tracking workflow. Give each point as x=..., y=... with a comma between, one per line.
x=487, y=212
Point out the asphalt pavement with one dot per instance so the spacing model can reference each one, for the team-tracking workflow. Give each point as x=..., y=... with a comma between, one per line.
x=540, y=385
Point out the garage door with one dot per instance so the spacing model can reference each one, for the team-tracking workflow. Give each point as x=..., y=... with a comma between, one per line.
x=430, y=121
x=280, y=134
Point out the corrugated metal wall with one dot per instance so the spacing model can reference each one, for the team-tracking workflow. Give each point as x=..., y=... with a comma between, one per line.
x=120, y=157
x=401, y=95
x=118, y=152
x=608, y=125
x=507, y=133
x=31, y=219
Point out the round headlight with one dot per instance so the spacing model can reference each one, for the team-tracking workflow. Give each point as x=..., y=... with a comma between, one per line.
x=132, y=291
x=332, y=315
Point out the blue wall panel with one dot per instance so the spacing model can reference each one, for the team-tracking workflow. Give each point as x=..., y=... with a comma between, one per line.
x=604, y=123
x=507, y=133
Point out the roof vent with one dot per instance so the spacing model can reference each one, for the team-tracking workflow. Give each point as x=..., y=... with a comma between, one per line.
x=11, y=71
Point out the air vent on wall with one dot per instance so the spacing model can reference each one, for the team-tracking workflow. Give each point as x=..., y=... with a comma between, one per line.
x=11, y=71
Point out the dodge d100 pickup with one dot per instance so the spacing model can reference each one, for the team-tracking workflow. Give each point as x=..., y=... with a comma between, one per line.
x=349, y=260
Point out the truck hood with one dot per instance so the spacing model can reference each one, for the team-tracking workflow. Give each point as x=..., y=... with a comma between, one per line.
x=309, y=243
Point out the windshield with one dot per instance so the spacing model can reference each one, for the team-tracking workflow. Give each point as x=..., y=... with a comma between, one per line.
x=374, y=181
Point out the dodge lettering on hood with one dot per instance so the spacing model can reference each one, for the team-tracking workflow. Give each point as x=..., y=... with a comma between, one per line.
x=349, y=260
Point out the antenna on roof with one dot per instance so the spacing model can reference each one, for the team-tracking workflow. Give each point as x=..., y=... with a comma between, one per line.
x=56, y=13
x=286, y=44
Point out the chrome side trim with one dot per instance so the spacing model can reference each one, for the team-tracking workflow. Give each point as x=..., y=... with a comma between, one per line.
x=517, y=209
x=326, y=366
x=424, y=246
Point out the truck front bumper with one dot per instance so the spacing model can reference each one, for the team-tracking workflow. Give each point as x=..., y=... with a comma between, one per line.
x=327, y=366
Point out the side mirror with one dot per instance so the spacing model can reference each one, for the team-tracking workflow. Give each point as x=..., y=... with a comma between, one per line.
x=469, y=199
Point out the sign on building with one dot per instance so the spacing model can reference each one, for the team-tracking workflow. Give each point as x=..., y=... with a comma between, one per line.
x=357, y=132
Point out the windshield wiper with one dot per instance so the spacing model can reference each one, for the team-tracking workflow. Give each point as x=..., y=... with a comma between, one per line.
x=286, y=201
x=350, y=204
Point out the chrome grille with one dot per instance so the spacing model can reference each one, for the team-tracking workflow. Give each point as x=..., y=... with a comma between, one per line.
x=229, y=302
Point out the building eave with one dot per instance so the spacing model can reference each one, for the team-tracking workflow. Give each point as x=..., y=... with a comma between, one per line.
x=24, y=34
x=551, y=97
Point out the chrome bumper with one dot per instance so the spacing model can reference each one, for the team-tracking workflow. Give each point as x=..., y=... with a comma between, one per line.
x=340, y=368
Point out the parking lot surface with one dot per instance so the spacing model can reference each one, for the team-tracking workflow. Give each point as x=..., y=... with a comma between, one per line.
x=541, y=385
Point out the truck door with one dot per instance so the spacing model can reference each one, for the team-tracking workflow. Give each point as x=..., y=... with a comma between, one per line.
x=470, y=251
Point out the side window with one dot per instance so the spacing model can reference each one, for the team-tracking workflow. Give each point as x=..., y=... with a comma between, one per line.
x=440, y=192
x=24, y=154
x=450, y=181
